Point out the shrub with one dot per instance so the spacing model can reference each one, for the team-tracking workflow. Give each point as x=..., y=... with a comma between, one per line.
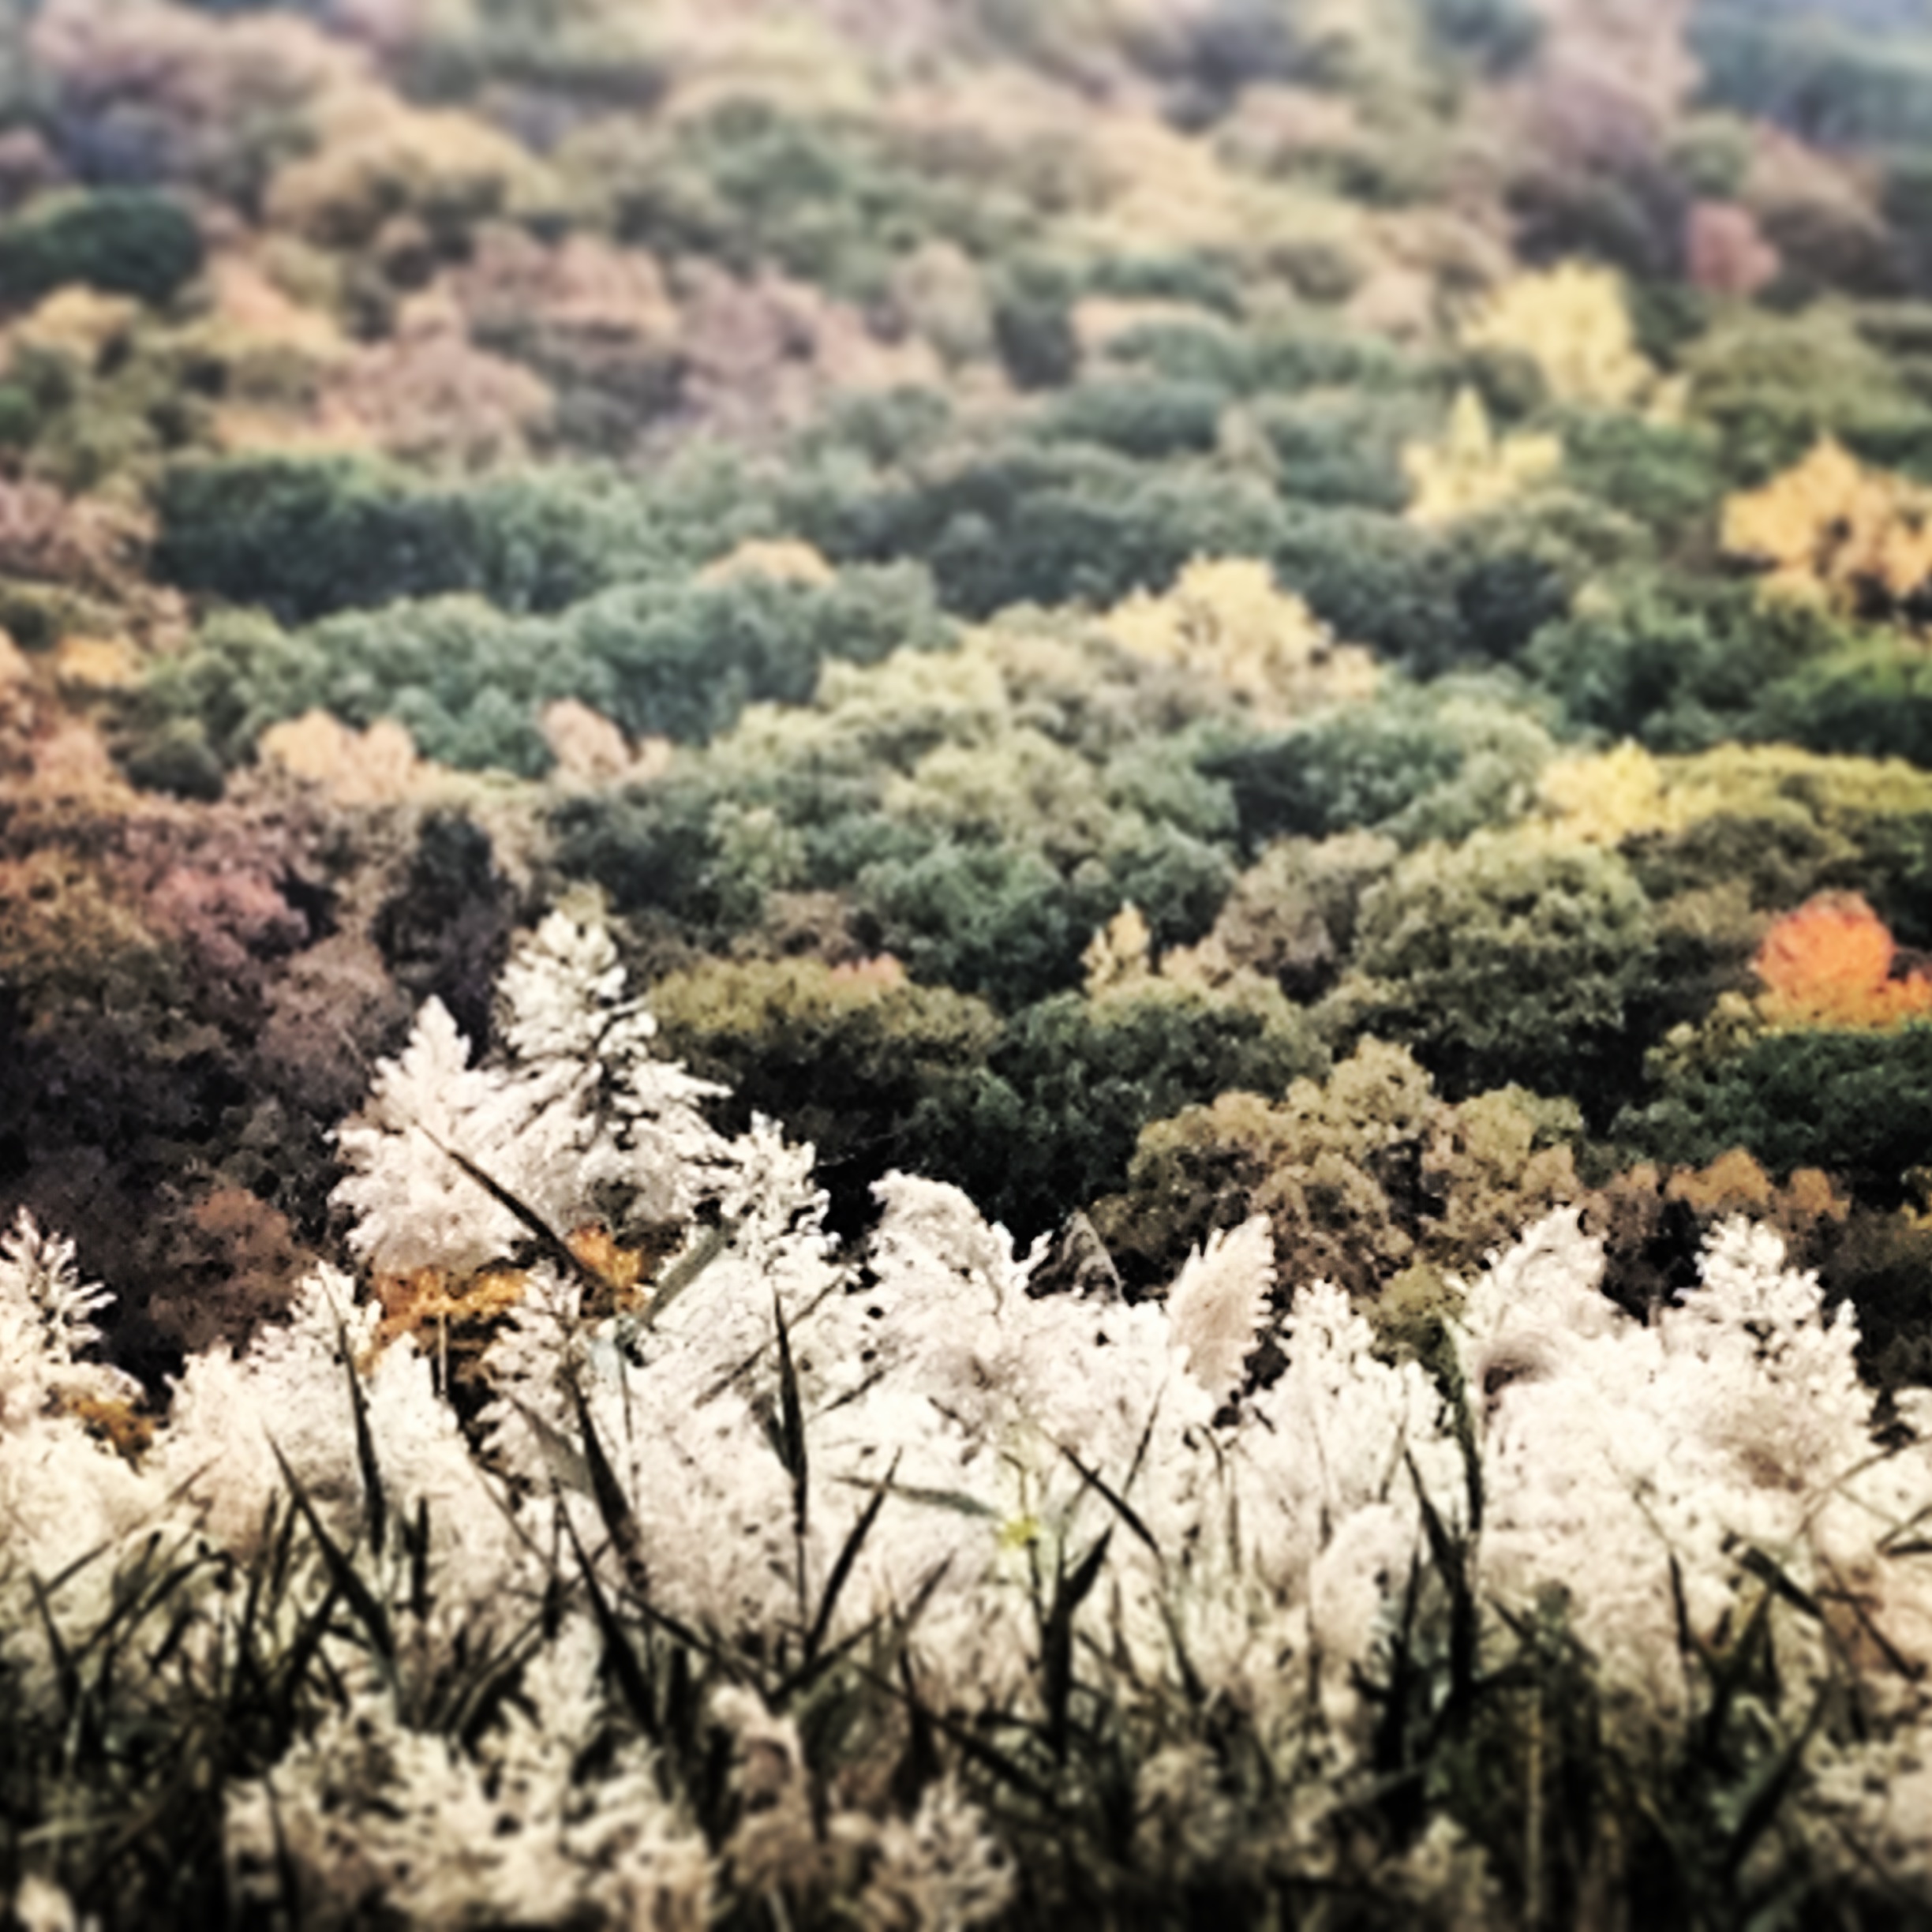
x=1865, y=77
x=677, y=660
x=1032, y=323
x=1343, y=447
x=657, y=848
x=1089, y=1073
x=1665, y=475
x=882, y=1073
x=1432, y=762
x=1870, y=699
x=1138, y=417
x=1857, y=1105
x=1363, y=1175
x=1278, y=360
x=1046, y=526
x=1677, y=665
x=1290, y=917
x=1499, y=35
x=1830, y=966
x=125, y=241
x=753, y=184
x=303, y=537
x=1511, y=959
x=1375, y=580
x=1771, y=385
x=1000, y=922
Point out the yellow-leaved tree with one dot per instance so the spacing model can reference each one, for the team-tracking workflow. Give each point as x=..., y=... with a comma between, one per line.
x=783, y=560
x=1573, y=323
x=1470, y=468
x=1609, y=797
x=1831, y=531
x=1120, y=955
x=1604, y=798
x=1226, y=617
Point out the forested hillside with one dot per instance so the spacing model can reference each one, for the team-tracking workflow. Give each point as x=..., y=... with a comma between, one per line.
x=1248, y=677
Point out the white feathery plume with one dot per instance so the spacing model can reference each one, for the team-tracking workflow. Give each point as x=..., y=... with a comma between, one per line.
x=1218, y=1303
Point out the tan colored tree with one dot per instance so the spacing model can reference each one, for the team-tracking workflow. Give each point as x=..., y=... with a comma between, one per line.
x=1226, y=617
x=1573, y=323
x=1830, y=530
x=1469, y=468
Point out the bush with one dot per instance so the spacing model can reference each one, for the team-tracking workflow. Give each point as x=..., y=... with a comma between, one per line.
x=1362, y=1175
x=1873, y=699
x=655, y=849
x=1090, y=1072
x=677, y=660
x=1771, y=385
x=1274, y=360
x=1046, y=526
x=1499, y=35
x=1344, y=448
x=1139, y=417
x=877, y=1073
x=1375, y=580
x=1511, y=959
x=1417, y=764
x=884, y=1073
x=1666, y=476
x=1676, y=664
x=1857, y=1105
x=1895, y=873
x=753, y=185
x=1033, y=325
x=302, y=537
x=1856, y=74
x=996, y=921
x=1177, y=881
x=126, y=240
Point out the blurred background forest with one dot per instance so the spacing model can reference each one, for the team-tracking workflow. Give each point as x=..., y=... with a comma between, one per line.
x=1317, y=606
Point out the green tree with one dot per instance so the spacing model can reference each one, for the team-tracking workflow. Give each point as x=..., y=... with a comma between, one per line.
x=1857, y=1105
x=1870, y=698
x=1511, y=959
x=1418, y=763
x=1363, y=1175
x=126, y=240
x=1677, y=663
x=1090, y=1072
x=876, y=1072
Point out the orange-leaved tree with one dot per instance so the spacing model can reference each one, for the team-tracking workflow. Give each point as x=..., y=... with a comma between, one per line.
x=1831, y=964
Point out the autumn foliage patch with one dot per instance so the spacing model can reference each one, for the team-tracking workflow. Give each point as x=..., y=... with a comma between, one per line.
x=1833, y=963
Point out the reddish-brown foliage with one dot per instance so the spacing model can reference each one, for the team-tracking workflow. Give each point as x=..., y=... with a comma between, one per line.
x=1725, y=252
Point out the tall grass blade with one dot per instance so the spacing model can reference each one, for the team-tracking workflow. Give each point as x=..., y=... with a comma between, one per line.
x=631, y=1683
x=842, y=1567
x=613, y=1506
x=553, y=1246
x=1450, y=1557
x=791, y=1438
x=1118, y=1503
x=372, y=1489
x=685, y=1270
x=369, y=1613
x=1070, y=1591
